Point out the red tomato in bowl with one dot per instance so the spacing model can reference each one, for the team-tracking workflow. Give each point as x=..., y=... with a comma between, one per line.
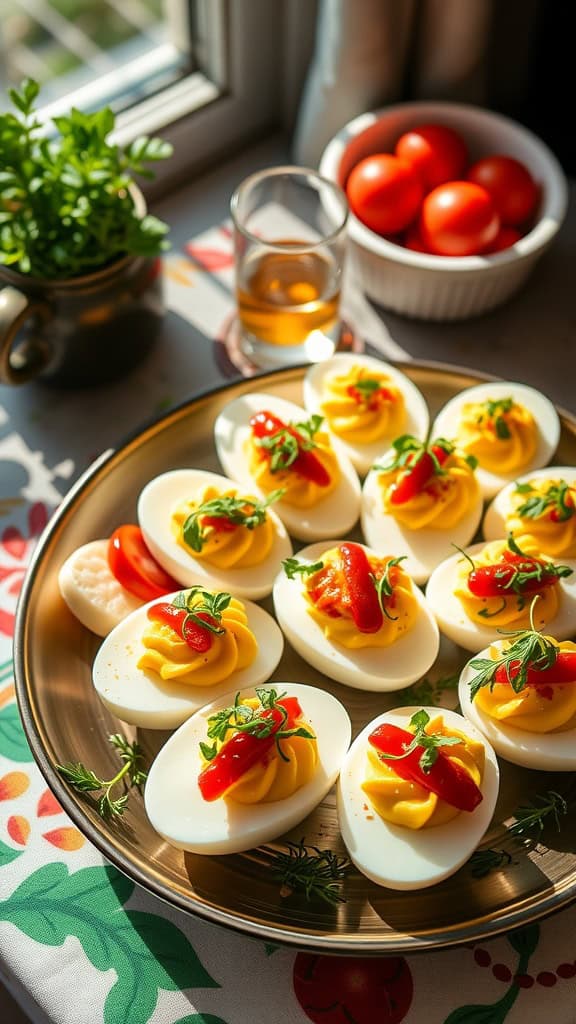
x=458, y=219
x=514, y=192
x=504, y=239
x=436, y=152
x=384, y=192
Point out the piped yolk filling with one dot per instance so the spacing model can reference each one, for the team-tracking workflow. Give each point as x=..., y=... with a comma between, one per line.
x=502, y=435
x=363, y=405
x=225, y=545
x=548, y=531
x=512, y=610
x=299, y=491
x=540, y=709
x=409, y=804
x=441, y=504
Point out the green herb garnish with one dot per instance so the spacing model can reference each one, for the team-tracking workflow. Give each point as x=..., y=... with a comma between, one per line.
x=427, y=692
x=238, y=511
x=384, y=588
x=292, y=568
x=527, y=826
x=210, y=604
x=243, y=718
x=84, y=780
x=431, y=742
x=496, y=410
x=317, y=873
x=556, y=500
x=283, y=447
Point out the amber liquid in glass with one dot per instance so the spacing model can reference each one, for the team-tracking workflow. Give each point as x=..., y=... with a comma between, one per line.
x=284, y=296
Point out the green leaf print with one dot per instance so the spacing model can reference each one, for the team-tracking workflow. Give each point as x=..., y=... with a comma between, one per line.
x=146, y=951
x=525, y=940
x=13, y=743
x=7, y=854
x=6, y=671
x=200, y=1018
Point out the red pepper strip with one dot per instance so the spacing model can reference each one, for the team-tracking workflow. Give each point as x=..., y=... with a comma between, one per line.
x=562, y=671
x=364, y=605
x=199, y=639
x=446, y=779
x=415, y=479
x=220, y=523
x=373, y=400
x=306, y=463
x=243, y=750
x=497, y=580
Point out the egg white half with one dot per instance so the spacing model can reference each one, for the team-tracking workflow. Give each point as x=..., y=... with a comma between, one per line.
x=552, y=752
x=156, y=503
x=542, y=409
x=334, y=515
x=92, y=592
x=362, y=456
x=403, y=858
x=178, y=811
x=424, y=548
x=456, y=625
x=494, y=525
x=371, y=668
x=140, y=697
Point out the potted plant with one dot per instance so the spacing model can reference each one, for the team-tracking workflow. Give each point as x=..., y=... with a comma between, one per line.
x=80, y=274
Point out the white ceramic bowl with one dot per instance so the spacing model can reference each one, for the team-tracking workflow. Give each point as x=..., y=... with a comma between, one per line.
x=446, y=287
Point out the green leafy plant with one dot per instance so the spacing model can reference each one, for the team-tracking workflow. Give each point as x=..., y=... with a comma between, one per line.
x=66, y=199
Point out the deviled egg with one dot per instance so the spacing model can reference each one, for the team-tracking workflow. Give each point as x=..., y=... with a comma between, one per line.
x=538, y=508
x=356, y=616
x=168, y=658
x=196, y=803
x=419, y=500
x=267, y=443
x=398, y=826
x=203, y=529
x=510, y=428
x=529, y=721
x=366, y=403
x=487, y=588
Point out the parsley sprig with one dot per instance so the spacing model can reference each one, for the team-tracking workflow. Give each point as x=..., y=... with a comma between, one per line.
x=431, y=742
x=283, y=447
x=317, y=873
x=556, y=498
x=409, y=450
x=384, y=588
x=84, y=780
x=496, y=411
x=244, y=718
x=292, y=568
x=236, y=510
x=196, y=600
x=528, y=650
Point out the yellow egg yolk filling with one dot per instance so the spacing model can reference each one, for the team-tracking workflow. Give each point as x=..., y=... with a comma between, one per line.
x=441, y=504
x=540, y=709
x=299, y=491
x=501, y=434
x=363, y=405
x=504, y=611
x=171, y=658
x=547, y=531
x=275, y=778
x=409, y=804
x=328, y=603
x=224, y=547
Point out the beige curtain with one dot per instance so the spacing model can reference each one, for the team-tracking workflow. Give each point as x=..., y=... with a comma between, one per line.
x=369, y=53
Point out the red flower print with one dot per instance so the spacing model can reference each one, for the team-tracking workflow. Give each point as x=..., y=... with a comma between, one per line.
x=15, y=552
x=362, y=990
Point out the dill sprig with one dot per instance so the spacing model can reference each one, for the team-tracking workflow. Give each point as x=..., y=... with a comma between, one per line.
x=529, y=822
x=317, y=873
x=84, y=780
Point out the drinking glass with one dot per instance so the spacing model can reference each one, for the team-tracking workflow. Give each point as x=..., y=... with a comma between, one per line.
x=289, y=245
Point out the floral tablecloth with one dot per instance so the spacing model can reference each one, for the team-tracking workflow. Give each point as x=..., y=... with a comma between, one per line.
x=82, y=941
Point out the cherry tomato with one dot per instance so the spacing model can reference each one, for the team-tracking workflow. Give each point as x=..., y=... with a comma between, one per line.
x=514, y=192
x=384, y=192
x=504, y=239
x=135, y=568
x=458, y=219
x=412, y=239
x=436, y=152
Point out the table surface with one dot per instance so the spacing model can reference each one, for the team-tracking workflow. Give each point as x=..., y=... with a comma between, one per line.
x=68, y=921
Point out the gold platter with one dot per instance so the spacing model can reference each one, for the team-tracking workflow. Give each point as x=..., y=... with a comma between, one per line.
x=65, y=721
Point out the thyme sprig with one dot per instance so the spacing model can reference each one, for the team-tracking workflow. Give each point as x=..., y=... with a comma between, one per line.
x=236, y=510
x=211, y=604
x=431, y=742
x=529, y=649
x=84, y=780
x=384, y=588
x=556, y=499
x=240, y=717
x=317, y=873
x=283, y=447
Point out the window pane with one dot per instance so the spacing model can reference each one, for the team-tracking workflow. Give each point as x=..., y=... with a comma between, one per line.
x=67, y=44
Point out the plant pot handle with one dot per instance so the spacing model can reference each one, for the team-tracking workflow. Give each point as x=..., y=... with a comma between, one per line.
x=30, y=357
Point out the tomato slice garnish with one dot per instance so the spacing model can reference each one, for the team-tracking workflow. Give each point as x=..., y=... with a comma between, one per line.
x=447, y=779
x=135, y=567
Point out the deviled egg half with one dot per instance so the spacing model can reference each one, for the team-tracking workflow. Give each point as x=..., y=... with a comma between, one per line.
x=268, y=444
x=521, y=694
x=411, y=821
x=366, y=403
x=170, y=657
x=356, y=616
x=203, y=529
x=419, y=500
x=510, y=428
x=538, y=508
x=487, y=588
x=214, y=790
